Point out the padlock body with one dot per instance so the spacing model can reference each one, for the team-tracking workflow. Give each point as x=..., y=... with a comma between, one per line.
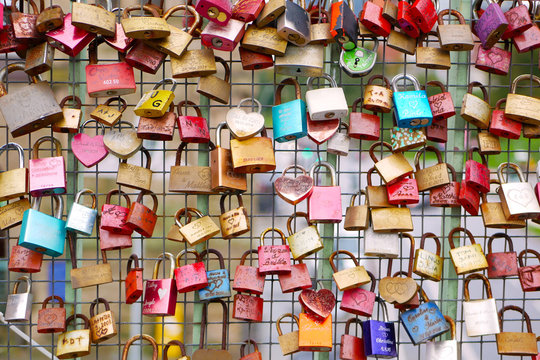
x=326, y=103
x=69, y=39
x=477, y=176
x=248, y=308
x=8, y=42
x=403, y=192
x=42, y=233
x=437, y=131
x=110, y=80
x=191, y=179
x=305, y=242
x=356, y=218
x=141, y=219
x=301, y=61
x=517, y=343
x=81, y=219
x=114, y=217
x=493, y=217
x=395, y=219
x=455, y=37
x=217, y=11
x=371, y=17
x=19, y=307
x=102, y=326
x=481, y=317
x=344, y=25
x=109, y=240
x=234, y=223
x=242, y=155
x=199, y=230
x=157, y=129
x=134, y=176
x=424, y=323
x=274, y=259
x=120, y=42
x=289, y=120
x=218, y=285
x=24, y=26
x=442, y=106
x=51, y=320
x=528, y=40
x=412, y=109
x=247, y=10
x=494, y=60
x=468, y=259
x=424, y=14
x=382, y=244
x=190, y=277
x=12, y=214
x=522, y=108
x=24, y=260
x=253, y=356
x=324, y=204
x=428, y=265
x=248, y=279
x=403, y=139
x=364, y=126
x=432, y=177
x=352, y=348
x=223, y=175
x=70, y=122
x=529, y=278
x=379, y=339
x=296, y=280
x=264, y=40
x=13, y=183
x=107, y=115
x=338, y=144
x=252, y=60
x=289, y=343
x=351, y=278
x=442, y=350
x=193, y=129
x=173, y=45
x=469, y=198
x=358, y=301
x=518, y=19
x=224, y=38
x=94, y=19
x=134, y=285
x=314, y=335
x=519, y=201
x=294, y=24
x=503, y=126
x=378, y=99
x=159, y=297
x=405, y=21
x=91, y=275
x=144, y=57
x=491, y=25
x=73, y=344
x=154, y=103
x=39, y=59
x=502, y=264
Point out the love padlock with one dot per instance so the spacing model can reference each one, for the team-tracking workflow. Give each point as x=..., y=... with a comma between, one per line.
x=244, y=125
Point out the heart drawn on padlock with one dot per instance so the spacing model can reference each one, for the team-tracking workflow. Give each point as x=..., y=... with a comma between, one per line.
x=244, y=125
x=397, y=289
x=358, y=297
x=294, y=190
x=520, y=197
x=205, y=173
x=495, y=58
x=122, y=144
x=319, y=303
x=89, y=150
x=50, y=318
x=161, y=293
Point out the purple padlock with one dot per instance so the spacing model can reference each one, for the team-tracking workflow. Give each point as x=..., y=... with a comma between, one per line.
x=379, y=336
x=491, y=25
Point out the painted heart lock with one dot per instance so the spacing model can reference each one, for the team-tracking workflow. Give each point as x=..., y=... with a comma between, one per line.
x=319, y=303
x=294, y=190
x=87, y=149
x=122, y=143
x=245, y=125
x=321, y=131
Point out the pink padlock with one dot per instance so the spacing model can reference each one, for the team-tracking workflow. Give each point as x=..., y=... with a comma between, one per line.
x=47, y=175
x=495, y=60
x=89, y=150
x=160, y=294
x=274, y=259
x=190, y=277
x=324, y=203
x=359, y=301
x=114, y=217
x=69, y=39
x=224, y=38
x=217, y=11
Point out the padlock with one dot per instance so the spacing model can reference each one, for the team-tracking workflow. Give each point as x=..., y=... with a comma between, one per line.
x=174, y=231
x=437, y=131
x=294, y=190
x=68, y=38
x=491, y=24
x=480, y=315
x=359, y=301
x=154, y=103
x=529, y=275
x=141, y=337
x=160, y=294
x=264, y=40
x=349, y=278
x=247, y=10
x=134, y=280
x=216, y=11
x=405, y=21
x=503, y=126
x=352, y=347
x=19, y=305
x=178, y=343
x=252, y=60
x=371, y=17
x=224, y=178
x=289, y=119
x=44, y=233
x=71, y=116
x=24, y=260
x=274, y=259
x=424, y=14
x=47, y=175
x=301, y=61
x=454, y=37
x=190, y=277
x=518, y=199
x=143, y=57
x=469, y=198
x=223, y=37
x=404, y=139
x=30, y=108
x=516, y=343
x=390, y=11
x=81, y=219
x=322, y=131
x=519, y=20
x=244, y=125
x=528, y=40
x=403, y=192
x=255, y=355
x=427, y=264
x=495, y=60
x=215, y=88
x=391, y=168
x=501, y=264
x=328, y=103
x=114, y=217
x=248, y=307
x=531, y=131
x=218, y=280
x=445, y=349
x=193, y=63
x=488, y=143
x=412, y=108
x=204, y=353
x=378, y=98
x=8, y=42
x=314, y=335
x=364, y=126
x=39, y=59
x=103, y=80
x=49, y=18
x=467, y=258
x=475, y=110
x=13, y=183
x=303, y=242
x=248, y=278
x=109, y=240
x=141, y=218
x=493, y=214
x=293, y=24
x=379, y=336
x=135, y=176
x=320, y=30
x=288, y=342
x=144, y=27
x=400, y=41
x=51, y=320
x=356, y=216
x=198, y=230
x=339, y=143
x=523, y=108
x=93, y=18
x=433, y=176
x=296, y=280
x=441, y=105
x=242, y=154
x=102, y=325
x=344, y=24
x=192, y=129
x=158, y=128
x=190, y=179
x=120, y=41
x=324, y=202
x=74, y=343
x=233, y=222
x=376, y=196
x=87, y=276
x=24, y=24
x=107, y=114
x=477, y=174
x=381, y=244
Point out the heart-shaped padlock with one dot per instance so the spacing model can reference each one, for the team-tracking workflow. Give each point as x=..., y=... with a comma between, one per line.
x=122, y=143
x=245, y=125
x=294, y=190
x=321, y=131
x=359, y=61
x=319, y=303
x=87, y=149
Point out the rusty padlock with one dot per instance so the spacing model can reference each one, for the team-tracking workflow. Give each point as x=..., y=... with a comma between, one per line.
x=501, y=264
x=141, y=218
x=52, y=320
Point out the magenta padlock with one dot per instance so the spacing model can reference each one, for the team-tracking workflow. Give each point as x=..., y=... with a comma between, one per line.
x=518, y=19
x=324, y=203
x=217, y=11
x=491, y=25
x=47, y=175
x=160, y=294
x=119, y=42
x=359, y=301
x=477, y=174
x=223, y=37
x=495, y=60
x=69, y=39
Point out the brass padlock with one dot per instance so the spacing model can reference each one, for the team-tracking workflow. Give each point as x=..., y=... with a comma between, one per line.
x=264, y=40
x=402, y=42
x=468, y=258
x=454, y=37
x=288, y=342
x=72, y=116
x=301, y=61
x=190, y=179
x=488, y=143
x=122, y=143
x=102, y=325
x=49, y=18
x=391, y=168
x=518, y=198
x=376, y=196
x=393, y=219
x=516, y=343
x=427, y=264
x=135, y=176
x=215, y=88
x=93, y=18
x=39, y=59
x=270, y=12
x=106, y=114
x=224, y=178
x=475, y=110
x=357, y=216
x=525, y=109
x=242, y=152
x=493, y=214
x=304, y=242
x=378, y=98
x=174, y=231
x=431, y=57
x=432, y=176
x=234, y=222
x=12, y=214
x=390, y=13
x=320, y=30
x=194, y=63
x=13, y=183
x=348, y=278
x=144, y=27
x=91, y=275
x=75, y=343
x=198, y=230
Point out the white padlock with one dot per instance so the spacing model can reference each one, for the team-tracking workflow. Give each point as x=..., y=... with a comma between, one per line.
x=326, y=103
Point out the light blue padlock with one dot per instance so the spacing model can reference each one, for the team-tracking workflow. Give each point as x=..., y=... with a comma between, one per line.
x=41, y=232
x=289, y=119
x=81, y=219
x=218, y=280
x=411, y=107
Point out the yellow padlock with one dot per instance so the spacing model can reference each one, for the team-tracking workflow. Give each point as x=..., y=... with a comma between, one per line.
x=155, y=103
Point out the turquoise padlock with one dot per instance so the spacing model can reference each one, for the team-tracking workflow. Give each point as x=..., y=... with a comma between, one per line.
x=41, y=232
x=359, y=61
x=289, y=119
x=411, y=107
x=218, y=280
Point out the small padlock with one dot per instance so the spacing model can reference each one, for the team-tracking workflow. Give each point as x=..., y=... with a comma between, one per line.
x=528, y=40
x=224, y=178
x=529, y=275
x=391, y=168
x=154, y=103
x=390, y=11
x=158, y=128
x=314, y=335
x=192, y=129
x=52, y=320
x=47, y=175
x=144, y=57
x=108, y=115
x=24, y=24
x=135, y=176
x=493, y=214
x=49, y=18
x=519, y=20
x=301, y=61
x=424, y=14
x=352, y=347
x=68, y=38
x=193, y=63
x=274, y=259
x=477, y=174
x=109, y=240
x=503, y=126
x=437, y=131
x=433, y=176
x=446, y=349
x=344, y=24
x=252, y=60
x=234, y=222
x=412, y=108
x=495, y=60
x=120, y=42
x=376, y=196
x=74, y=343
x=427, y=264
x=324, y=203
x=364, y=126
x=13, y=183
x=204, y=353
x=215, y=88
x=72, y=116
x=359, y=301
x=480, y=315
x=82, y=277
x=248, y=307
x=244, y=125
x=328, y=103
x=296, y=280
x=379, y=336
x=381, y=244
x=348, y=278
x=501, y=264
x=134, y=280
x=518, y=199
x=190, y=179
x=160, y=294
x=288, y=342
x=491, y=25
x=356, y=216
x=469, y=198
x=152, y=342
x=378, y=98
x=198, y=230
x=81, y=219
x=516, y=343
x=24, y=260
x=454, y=37
x=405, y=20
x=102, y=325
x=404, y=139
x=223, y=37
x=371, y=17
x=523, y=108
x=242, y=154
x=467, y=258
x=289, y=119
x=248, y=278
x=39, y=59
x=144, y=27
x=403, y=192
x=475, y=110
x=114, y=217
x=141, y=218
x=178, y=343
x=303, y=242
x=218, y=280
x=255, y=355
x=264, y=40
x=488, y=143
x=442, y=105
x=339, y=143
x=190, y=277
x=19, y=305
x=247, y=10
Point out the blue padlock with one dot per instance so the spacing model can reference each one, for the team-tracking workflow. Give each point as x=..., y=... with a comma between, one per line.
x=424, y=323
x=218, y=280
x=41, y=232
x=289, y=119
x=380, y=336
x=411, y=107
x=81, y=219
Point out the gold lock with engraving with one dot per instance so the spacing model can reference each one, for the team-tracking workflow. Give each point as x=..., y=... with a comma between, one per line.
x=135, y=176
x=234, y=222
x=357, y=216
x=378, y=98
x=427, y=264
x=431, y=57
x=194, y=63
x=488, y=143
x=74, y=343
x=215, y=88
x=493, y=214
x=393, y=219
x=190, y=179
x=13, y=183
x=93, y=18
x=288, y=342
x=304, y=242
x=270, y=12
x=301, y=61
x=102, y=325
x=522, y=108
x=402, y=42
x=224, y=178
x=264, y=40
x=468, y=258
x=348, y=278
x=391, y=168
x=144, y=27
x=253, y=155
x=475, y=110
x=72, y=116
x=376, y=196
x=432, y=176
x=198, y=230
x=106, y=114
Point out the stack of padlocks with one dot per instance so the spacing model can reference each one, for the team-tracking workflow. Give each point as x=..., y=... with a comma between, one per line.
x=144, y=41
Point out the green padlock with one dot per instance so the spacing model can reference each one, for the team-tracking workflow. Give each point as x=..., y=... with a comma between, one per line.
x=359, y=61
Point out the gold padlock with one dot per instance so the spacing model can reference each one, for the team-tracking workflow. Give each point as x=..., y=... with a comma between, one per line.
x=198, y=230
x=93, y=18
x=394, y=219
x=431, y=57
x=190, y=179
x=174, y=231
x=144, y=27
x=106, y=114
x=194, y=63
x=488, y=143
x=402, y=42
x=378, y=98
x=390, y=13
x=270, y=12
x=91, y=275
x=102, y=325
x=349, y=278
x=253, y=155
x=393, y=167
x=13, y=183
x=288, y=342
x=49, y=18
x=454, y=37
x=72, y=116
x=224, y=178
x=234, y=222
x=357, y=216
x=493, y=214
x=525, y=109
x=376, y=196
x=427, y=264
x=468, y=258
x=531, y=131
x=301, y=61
x=39, y=59
x=475, y=110
x=303, y=242
x=12, y=214
x=432, y=176
x=320, y=31
x=134, y=176
x=74, y=343
x=264, y=40
x=215, y=88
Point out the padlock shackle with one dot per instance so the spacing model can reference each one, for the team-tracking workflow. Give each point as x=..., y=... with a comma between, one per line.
x=348, y=325
x=41, y=140
x=452, y=324
x=218, y=254
x=355, y=195
x=225, y=323
x=295, y=215
x=411, y=256
x=119, y=123
x=81, y=128
x=28, y=282
x=161, y=258
x=382, y=303
x=152, y=195
x=134, y=338
x=181, y=148
x=382, y=144
x=219, y=128
x=288, y=81
x=451, y=12
x=225, y=66
x=187, y=104
x=436, y=83
x=409, y=77
x=474, y=149
x=77, y=103
x=345, y=252
x=247, y=342
x=509, y=166
x=425, y=37
x=14, y=146
x=373, y=281
x=224, y=196
x=523, y=77
x=146, y=155
x=452, y=171
x=484, y=195
x=16, y=66
x=164, y=82
x=368, y=176
x=499, y=103
x=121, y=102
x=121, y=193
x=519, y=310
x=360, y=100
x=151, y=9
x=253, y=101
x=58, y=205
x=326, y=165
x=387, y=83
x=133, y=259
x=174, y=343
x=430, y=235
x=523, y=253
x=331, y=80
x=470, y=277
x=246, y=254
x=182, y=213
x=50, y=298
x=72, y=241
x=96, y=302
x=80, y=316
x=283, y=242
x=458, y=229
x=304, y=172
x=89, y=192
x=32, y=4
x=423, y=151
x=189, y=9
x=278, y=322
x=478, y=85
x=507, y=238
x=185, y=252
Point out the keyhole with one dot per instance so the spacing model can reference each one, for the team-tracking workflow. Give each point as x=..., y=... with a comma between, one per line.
x=356, y=60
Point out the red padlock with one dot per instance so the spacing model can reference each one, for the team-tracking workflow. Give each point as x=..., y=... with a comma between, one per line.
x=255, y=355
x=371, y=17
x=160, y=294
x=364, y=126
x=405, y=21
x=529, y=276
x=518, y=19
x=477, y=174
x=502, y=126
x=403, y=192
x=52, y=320
x=469, y=198
x=24, y=260
x=527, y=40
x=252, y=60
x=109, y=240
x=359, y=301
x=190, y=277
x=158, y=128
x=501, y=264
x=69, y=39
x=442, y=105
x=24, y=24
x=144, y=57
x=352, y=347
x=274, y=259
x=248, y=278
x=140, y=218
x=424, y=14
x=119, y=42
x=248, y=308
x=114, y=217
x=247, y=10
x=8, y=42
x=223, y=37
x=298, y=279
x=446, y=195
x=134, y=280
x=193, y=129
x=437, y=131
x=495, y=60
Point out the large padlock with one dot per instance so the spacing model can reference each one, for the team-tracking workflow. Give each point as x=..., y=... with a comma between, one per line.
x=518, y=199
x=480, y=315
x=344, y=24
x=255, y=355
x=294, y=189
x=190, y=179
x=159, y=128
x=469, y=198
x=529, y=275
x=304, y=242
x=359, y=301
x=431, y=57
x=252, y=60
x=190, y=277
x=424, y=14
x=13, y=183
x=376, y=196
x=477, y=174
x=339, y=143
x=493, y=214
x=442, y=105
x=523, y=108
x=93, y=18
x=289, y=119
x=218, y=280
x=444, y=349
x=39, y=59
x=516, y=343
x=248, y=278
x=193, y=63
x=154, y=103
x=71, y=115
x=352, y=347
x=31, y=107
x=371, y=17
x=454, y=37
x=495, y=60
x=364, y=126
x=475, y=110
x=324, y=203
x=114, y=217
x=274, y=259
x=234, y=222
x=192, y=129
x=134, y=280
x=183, y=355
x=203, y=353
x=380, y=336
x=296, y=280
x=49, y=18
x=247, y=10
x=288, y=342
x=248, y=307
x=411, y=107
x=519, y=20
x=400, y=41
x=378, y=98
x=427, y=264
x=501, y=264
x=144, y=27
x=24, y=260
x=382, y=244
x=433, y=176
x=223, y=37
x=301, y=61
x=314, y=335
x=320, y=30
x=44, y=233
x=242, y=152
x=293, y=24
x=503, y=126
x=160, y=294
x=87, y=276
x=141, y=218
x=264, y=40
x=391, y=168
x=52, y=320
x=215, y=88
x=81, y=219
x=467, y=258
x=103, y=324
x=143, y=57
x=24, y=24
x=328, y=103
x=349, y=278
x=120, y=42
x=405, y=20
x=74, y=343
x=198, y=230
x=356, y=216
x=491, y=25
x=108, y=115
x=135, y=176
x=321, y=131
x=224, y=178
x=68, y=38
x=19, y=305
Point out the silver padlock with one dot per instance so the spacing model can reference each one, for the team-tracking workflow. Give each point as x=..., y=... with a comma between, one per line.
x=359, y=61
x=381, y=244
x=446, y=349
x=518, y=199
x=339, y=143
x=294, y=25
x=326, y=103
x=81, y=219
x=19, y=306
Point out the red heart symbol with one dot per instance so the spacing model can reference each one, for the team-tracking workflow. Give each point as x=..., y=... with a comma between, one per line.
x=89, y=150
x=319, y=303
